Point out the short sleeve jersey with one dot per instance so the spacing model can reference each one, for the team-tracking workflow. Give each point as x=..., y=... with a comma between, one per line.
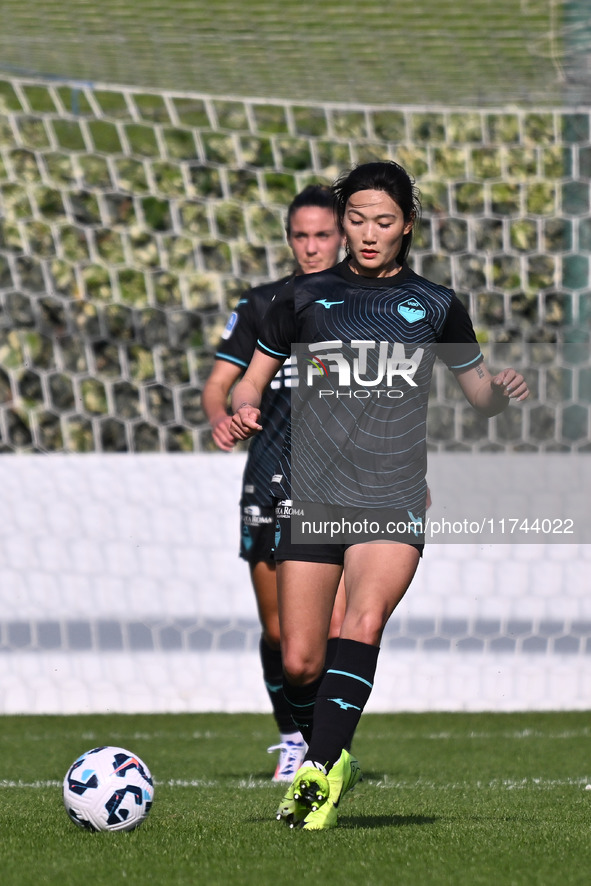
x=237, y=346
x=365, y=350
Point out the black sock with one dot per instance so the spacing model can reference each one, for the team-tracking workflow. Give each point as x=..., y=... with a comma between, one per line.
x=331, y=650
x=332, y=644
x=273, y=677
x=340, y=700
x=301, y=701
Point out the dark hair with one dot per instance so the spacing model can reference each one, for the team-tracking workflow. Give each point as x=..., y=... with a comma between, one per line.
x=380, y=176
x=312, y=195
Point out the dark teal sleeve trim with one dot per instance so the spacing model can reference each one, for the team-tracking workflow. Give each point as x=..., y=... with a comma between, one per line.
x=221, y=356
x=477, y=359
x=270, y=351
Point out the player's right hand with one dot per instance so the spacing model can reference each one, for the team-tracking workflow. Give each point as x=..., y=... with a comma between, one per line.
x=222, y=436
x=245, y=422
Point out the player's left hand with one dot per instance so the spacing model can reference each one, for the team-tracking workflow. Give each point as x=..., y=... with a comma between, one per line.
x=510, y=383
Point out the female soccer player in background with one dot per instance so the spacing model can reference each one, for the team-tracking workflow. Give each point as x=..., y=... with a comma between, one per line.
x=315, y=241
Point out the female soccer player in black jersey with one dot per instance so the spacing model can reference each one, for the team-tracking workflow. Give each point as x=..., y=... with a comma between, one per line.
x=367, y=333
x=315, y=240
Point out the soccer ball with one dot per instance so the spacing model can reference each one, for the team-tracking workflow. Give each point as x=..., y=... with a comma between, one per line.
x=108, y=789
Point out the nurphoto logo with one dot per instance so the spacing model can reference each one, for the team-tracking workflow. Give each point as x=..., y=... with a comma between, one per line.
x=367, y=364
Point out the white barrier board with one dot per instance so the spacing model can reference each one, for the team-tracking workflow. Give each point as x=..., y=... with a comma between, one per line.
x=121, y=590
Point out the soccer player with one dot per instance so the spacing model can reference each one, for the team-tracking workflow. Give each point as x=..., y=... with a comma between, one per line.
x=368, y=333
x=313, y=235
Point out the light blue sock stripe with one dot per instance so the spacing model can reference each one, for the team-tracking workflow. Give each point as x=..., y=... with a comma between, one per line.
x=353, y=677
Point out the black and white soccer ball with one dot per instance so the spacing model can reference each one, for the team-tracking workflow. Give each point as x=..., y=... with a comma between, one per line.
x=108, y=789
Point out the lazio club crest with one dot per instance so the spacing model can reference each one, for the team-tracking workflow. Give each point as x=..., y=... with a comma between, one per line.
x=412, y=310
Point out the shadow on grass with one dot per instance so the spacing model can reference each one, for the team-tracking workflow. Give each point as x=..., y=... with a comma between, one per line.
x=370, y=822
x=385, y=821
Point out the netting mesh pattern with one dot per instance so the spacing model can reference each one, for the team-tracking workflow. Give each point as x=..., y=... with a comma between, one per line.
x=131, y=221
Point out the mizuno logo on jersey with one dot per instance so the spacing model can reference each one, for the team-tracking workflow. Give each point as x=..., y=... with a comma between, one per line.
x=326, y=303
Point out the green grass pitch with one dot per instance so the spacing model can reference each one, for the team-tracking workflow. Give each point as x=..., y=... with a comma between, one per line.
x=447, y=800
x=458, y=799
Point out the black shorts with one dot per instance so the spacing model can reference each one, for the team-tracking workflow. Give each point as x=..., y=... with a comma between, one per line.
x=349, y=527
x=257, y=533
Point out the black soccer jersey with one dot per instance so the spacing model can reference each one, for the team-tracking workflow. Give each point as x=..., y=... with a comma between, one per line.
x=237, y=346
x=365, y=349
